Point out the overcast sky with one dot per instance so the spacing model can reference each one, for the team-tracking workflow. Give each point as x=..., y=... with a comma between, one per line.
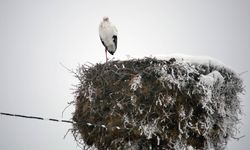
x=36, y=36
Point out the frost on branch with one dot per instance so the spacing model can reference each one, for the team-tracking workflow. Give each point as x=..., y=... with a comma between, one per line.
x=156, y=104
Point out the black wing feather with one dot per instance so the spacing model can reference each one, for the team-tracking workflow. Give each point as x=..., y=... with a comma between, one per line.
x=115, y=40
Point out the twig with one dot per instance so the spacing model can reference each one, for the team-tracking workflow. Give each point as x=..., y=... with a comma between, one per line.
x=238, y=138
x=244, y=72
x=70, y=103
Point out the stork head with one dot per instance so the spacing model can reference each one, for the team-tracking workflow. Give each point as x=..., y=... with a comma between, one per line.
x=105, y=18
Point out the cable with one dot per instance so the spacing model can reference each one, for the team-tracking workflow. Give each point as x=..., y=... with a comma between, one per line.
x=35, y=117
x=65, y=121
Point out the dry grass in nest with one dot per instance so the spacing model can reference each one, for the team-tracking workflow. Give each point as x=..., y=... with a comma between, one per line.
x=159, y=104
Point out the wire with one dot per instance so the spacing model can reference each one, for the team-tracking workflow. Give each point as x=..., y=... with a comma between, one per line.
x=35, y=117
x=65, y=121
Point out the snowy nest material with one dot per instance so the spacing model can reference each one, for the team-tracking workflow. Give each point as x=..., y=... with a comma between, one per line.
x=156, y=104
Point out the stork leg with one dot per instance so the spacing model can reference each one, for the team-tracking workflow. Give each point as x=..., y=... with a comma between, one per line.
x=106, y=55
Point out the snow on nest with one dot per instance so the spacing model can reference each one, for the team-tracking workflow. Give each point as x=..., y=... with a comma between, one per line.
x=200, y=95
x=212, y=78
x=191, y=59
x=136, y=82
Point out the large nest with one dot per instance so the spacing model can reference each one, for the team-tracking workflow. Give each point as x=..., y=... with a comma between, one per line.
x=156, y=104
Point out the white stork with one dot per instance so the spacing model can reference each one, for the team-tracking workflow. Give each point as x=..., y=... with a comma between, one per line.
x=108, y=36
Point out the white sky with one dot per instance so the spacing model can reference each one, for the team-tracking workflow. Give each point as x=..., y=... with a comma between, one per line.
x=35, y=36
